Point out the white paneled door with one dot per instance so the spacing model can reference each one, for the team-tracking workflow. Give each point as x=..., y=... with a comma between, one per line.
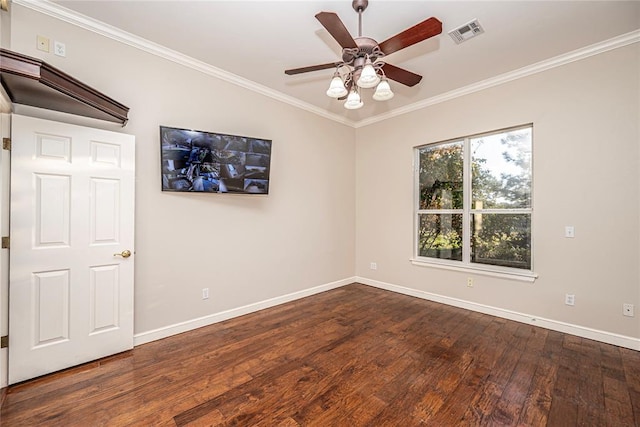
x=71, y=256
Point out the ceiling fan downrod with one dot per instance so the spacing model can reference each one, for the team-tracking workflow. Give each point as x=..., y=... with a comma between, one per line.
x=359, y=6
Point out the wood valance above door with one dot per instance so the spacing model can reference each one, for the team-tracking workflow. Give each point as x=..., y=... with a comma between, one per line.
x=33, y=82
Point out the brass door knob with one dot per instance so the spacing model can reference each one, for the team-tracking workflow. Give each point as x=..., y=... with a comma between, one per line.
x=124, y=254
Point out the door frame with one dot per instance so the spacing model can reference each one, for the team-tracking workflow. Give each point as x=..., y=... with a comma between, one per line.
x=5, y=175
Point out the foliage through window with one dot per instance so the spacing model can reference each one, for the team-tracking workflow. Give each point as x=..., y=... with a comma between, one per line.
x=474, y=200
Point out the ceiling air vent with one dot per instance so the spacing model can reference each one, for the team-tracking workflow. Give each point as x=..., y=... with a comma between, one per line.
x=466, y=31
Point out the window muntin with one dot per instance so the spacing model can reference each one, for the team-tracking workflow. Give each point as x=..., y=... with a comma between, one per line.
x=474, y=200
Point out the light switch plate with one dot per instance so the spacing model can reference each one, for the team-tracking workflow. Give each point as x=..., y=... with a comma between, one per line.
x=59, y=48
x=569, y=231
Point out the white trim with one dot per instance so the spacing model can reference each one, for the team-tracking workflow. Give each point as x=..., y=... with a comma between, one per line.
x=581, y=331
x=466, y=201
x=554, y=325
x=59, y=12
x=465, y=264
x=565, y=58
x=525, y=276
x=178, y=328
x=5, y=102
x=5, y=179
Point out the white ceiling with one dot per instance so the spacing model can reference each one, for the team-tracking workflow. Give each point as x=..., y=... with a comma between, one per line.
x=258, y=40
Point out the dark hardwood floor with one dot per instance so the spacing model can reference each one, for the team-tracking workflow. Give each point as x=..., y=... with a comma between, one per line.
x=354, y=356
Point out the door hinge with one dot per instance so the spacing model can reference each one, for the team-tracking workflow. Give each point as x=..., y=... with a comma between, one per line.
x=4, y=341
x=6, y=242
x=6, y=144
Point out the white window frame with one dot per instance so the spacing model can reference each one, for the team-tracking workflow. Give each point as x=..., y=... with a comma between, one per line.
x=466, y=265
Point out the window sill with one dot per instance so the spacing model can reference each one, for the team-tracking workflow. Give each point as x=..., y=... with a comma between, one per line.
x=525, y=276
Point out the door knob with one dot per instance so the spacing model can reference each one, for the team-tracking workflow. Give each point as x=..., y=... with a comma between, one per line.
x=124, y=254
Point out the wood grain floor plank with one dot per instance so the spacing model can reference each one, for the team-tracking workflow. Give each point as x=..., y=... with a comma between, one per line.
x=498, y=348
x=590, y=387
x=437, y=406
x=518, y=388
x=537, y=404
x=617, y=402
x=631, y=367
x=498, y=414
x=424, y=396
x=353, y=356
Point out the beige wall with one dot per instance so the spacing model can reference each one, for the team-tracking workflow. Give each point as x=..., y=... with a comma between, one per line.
x=586, y=174
x=335, y=204
x=245, y=249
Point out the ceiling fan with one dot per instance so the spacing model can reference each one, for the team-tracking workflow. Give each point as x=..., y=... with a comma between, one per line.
x=361, y=58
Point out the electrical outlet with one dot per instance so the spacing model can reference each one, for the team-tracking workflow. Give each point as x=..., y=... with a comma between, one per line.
x=205, y=293
x=469, y=282
x=627, y=310
x=42, y=43
x=59, y=48
x=570, y=299
x=373, y=266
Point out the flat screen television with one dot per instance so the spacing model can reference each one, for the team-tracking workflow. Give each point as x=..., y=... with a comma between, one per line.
x=207, y=162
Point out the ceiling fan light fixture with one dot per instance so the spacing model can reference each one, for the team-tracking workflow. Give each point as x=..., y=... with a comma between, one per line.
x=383, y=91
x=361, y=58
x=368, y=77
x=353, y=100
x=336, y=87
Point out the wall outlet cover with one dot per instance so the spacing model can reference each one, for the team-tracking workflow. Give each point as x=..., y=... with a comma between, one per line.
x=42, y=43
x=570, y=299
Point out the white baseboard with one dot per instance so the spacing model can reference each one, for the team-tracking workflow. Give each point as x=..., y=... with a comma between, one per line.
x=178, y=328
x=581, y=331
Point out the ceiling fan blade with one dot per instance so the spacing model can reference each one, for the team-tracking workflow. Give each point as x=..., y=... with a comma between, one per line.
x=336, y=28
x=422, y=31
x=311, y=68
x=401, y=75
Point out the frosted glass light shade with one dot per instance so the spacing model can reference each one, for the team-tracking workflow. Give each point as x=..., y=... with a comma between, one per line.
x=383, y=91
x=336, y=88
x=368, y=77
x=353, y=101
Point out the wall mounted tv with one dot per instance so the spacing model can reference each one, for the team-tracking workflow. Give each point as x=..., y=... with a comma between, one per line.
x=207, y=162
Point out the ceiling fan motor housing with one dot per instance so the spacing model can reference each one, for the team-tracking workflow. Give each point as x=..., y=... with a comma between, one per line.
x=366, y=47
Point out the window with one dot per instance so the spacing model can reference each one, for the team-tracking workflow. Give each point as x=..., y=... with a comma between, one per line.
x=474, y=201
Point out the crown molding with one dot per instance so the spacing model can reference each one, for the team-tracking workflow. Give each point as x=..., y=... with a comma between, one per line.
x=56, y=11
x=557, y=61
